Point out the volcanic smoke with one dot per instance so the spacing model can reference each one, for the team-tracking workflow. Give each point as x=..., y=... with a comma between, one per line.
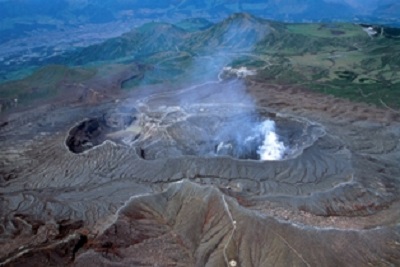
x=271, y=148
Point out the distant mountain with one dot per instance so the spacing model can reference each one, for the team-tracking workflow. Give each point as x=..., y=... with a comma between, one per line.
x=21, y=18
x=147, y=39
x=97, y=11
x=345, y=59
x=299, y=10
x=237, y=33
x=240, y=31
x=13, y=9
x=194, y=24
x=388, y=9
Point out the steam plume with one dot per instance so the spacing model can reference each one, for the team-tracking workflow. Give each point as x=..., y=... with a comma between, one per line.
x=271, y=148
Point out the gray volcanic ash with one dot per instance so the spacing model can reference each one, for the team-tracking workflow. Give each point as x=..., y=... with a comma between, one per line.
x=228, y=172
x=108, y=206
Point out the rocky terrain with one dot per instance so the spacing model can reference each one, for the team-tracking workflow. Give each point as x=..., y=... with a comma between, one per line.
x=153, y=173
x=337, y=203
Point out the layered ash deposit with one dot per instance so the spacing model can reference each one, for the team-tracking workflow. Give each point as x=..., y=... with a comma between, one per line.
x=162, y=180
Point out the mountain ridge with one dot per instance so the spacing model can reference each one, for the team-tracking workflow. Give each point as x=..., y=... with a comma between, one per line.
x=19, y=15
x=335, y=58
x=107, y=10
x=237, y=32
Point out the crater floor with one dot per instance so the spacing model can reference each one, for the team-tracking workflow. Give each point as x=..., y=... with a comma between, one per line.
x=135, y=183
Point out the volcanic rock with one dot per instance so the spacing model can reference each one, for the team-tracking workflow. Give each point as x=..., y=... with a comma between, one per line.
x=334, y=204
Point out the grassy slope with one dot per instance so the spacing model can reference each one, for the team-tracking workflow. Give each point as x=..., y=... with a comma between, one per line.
x=43, y=83
x=338, y=59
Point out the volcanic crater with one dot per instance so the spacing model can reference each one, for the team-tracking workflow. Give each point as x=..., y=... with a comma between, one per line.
x=205, y=148
x=207, y=130
x=333, y=183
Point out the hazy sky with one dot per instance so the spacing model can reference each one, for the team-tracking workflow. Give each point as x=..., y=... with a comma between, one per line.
x=364, y=3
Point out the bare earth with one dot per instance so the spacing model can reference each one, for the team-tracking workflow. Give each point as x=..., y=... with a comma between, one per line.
x=335, y=204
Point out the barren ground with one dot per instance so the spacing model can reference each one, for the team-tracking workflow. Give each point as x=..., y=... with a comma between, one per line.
x=336, y=204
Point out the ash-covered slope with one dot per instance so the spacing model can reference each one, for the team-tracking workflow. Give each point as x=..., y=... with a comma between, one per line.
x=219, y=232
x=109, y=177
x=337, y=203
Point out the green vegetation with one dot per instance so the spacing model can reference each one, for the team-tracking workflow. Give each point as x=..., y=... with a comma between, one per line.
x=43, y=83
x=376, y=94
x=194, y=24
x=326, y=30
x=338, y=59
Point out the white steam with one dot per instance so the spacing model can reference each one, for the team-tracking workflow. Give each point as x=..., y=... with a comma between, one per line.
x=271, y=148
x=241, y=72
